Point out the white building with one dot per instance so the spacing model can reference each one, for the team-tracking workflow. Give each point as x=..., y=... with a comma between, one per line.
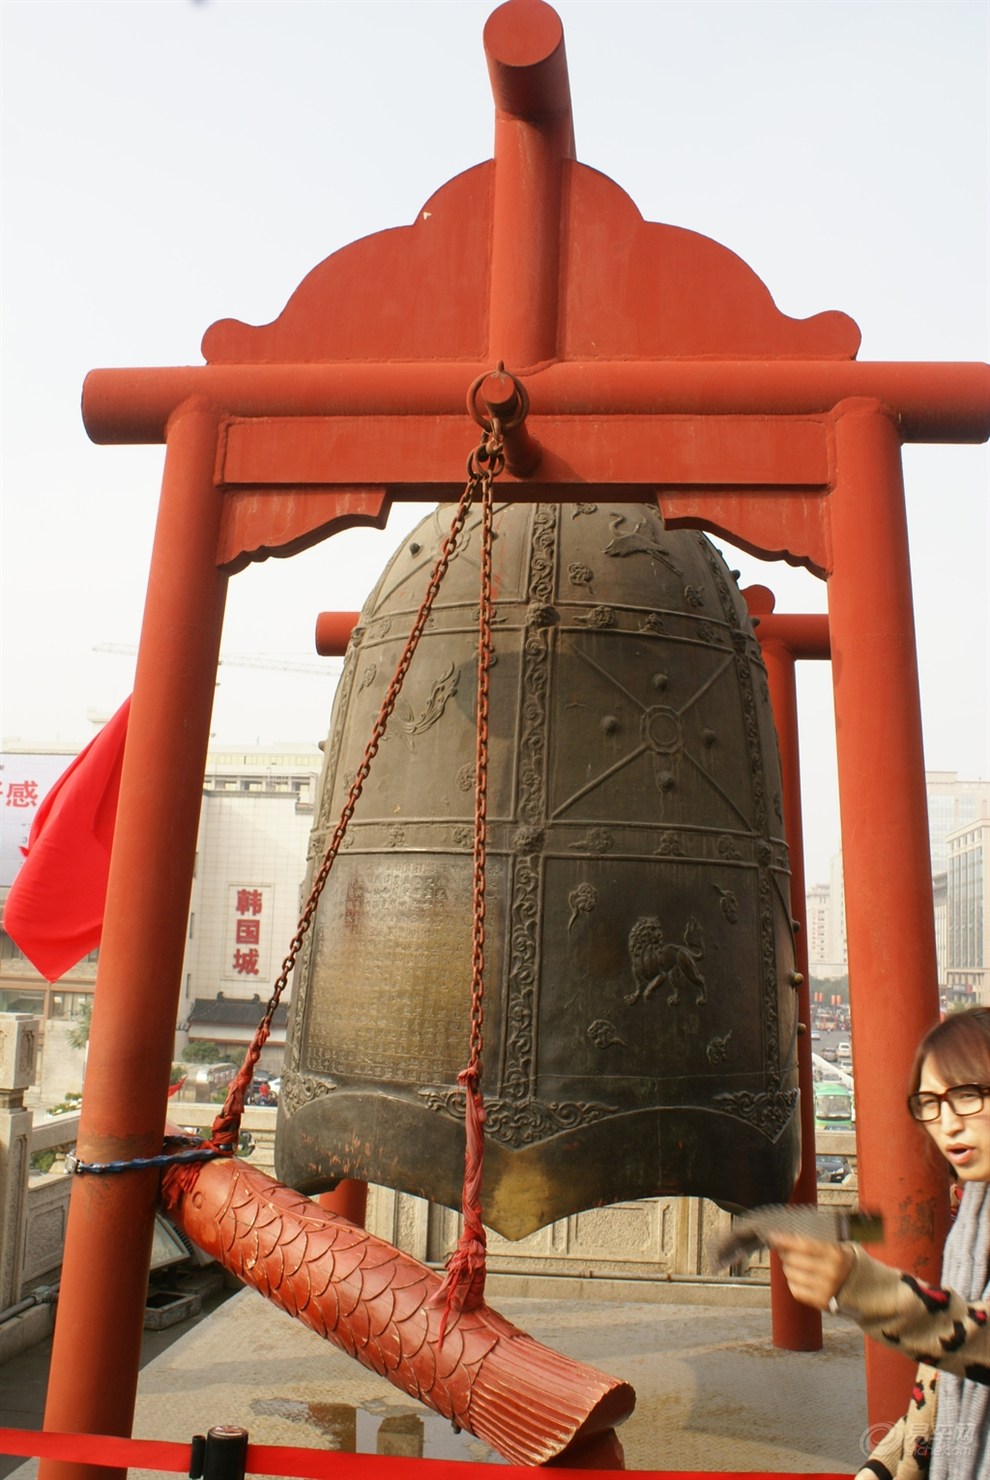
x=955, y=809
x=952, y=803
x=967, y=975
x=940, y=901
x=246, y=896
x=817, y=909
x=826, y=911
x=244, y=907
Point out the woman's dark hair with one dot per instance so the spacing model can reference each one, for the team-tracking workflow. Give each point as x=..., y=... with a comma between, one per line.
x=959, y=1047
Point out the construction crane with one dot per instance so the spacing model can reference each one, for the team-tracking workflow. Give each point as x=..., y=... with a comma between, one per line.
x=240, y=660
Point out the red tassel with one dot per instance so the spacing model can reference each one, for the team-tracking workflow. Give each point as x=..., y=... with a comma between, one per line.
x=463, y=1287
x=227, y=1126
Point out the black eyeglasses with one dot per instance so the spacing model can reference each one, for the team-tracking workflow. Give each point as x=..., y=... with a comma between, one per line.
x=962, y=1099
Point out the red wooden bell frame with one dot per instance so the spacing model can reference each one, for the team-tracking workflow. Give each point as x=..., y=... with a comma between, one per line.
x=656, y=365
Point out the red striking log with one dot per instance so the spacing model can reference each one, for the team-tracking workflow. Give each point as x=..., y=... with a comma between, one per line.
x=379, y=1305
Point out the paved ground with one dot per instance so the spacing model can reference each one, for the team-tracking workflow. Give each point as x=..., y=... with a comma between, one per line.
x=713, y=1392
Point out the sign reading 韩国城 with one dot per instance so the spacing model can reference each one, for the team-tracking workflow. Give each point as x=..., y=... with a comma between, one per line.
x=247, y=932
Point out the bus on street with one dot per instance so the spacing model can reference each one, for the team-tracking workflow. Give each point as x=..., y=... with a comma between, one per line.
x=834, y=1107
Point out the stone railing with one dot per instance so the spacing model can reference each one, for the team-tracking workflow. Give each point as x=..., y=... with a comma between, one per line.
x=47, y=1200
x=34, y=1203
x=18, y=1049
x=838, y=1194
x=257, y=1126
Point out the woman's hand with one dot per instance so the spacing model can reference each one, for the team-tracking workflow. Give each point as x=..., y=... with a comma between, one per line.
x=814, y=1271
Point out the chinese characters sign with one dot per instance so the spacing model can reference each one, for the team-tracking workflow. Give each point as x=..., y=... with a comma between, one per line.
x=25, y=781
x=248, y=932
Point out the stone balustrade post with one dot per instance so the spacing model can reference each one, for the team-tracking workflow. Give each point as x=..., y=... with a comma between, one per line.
x=18, y=1049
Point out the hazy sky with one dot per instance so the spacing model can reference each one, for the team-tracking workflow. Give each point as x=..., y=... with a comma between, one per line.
x=169, y=163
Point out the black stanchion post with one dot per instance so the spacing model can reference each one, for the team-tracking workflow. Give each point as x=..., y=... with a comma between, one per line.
x=226, y=1453
x=197, y=1456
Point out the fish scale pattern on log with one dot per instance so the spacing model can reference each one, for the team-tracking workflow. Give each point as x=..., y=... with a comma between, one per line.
x=383, y=1307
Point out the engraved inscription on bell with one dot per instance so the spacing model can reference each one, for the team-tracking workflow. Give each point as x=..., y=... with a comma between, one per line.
x=394, y=930
x=640, y=1015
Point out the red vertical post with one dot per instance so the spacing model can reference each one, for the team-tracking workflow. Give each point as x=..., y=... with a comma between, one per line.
x=96, y=1352
x=796, y=1327
x=534, y=134
x=893, y=983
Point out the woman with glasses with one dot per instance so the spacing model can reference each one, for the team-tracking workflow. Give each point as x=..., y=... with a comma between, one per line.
x=945, y=1434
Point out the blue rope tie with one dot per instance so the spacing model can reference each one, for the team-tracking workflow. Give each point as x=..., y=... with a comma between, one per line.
x=75, y=1167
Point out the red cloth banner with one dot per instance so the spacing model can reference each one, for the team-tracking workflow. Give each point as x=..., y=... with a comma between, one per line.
x=54, y=911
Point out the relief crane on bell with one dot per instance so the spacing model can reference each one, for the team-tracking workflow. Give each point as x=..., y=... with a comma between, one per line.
x=640, y=1011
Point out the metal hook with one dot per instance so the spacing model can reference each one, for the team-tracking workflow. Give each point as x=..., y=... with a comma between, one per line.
x=506, y=402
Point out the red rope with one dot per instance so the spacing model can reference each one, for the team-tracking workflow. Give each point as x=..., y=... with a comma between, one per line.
x=464, y=1284
x=227, y=1125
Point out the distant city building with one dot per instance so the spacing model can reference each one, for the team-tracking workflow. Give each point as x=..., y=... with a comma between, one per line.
x=960, y=857
x=838, y=952
x=817, y=905
x=967, y=976
x=940, y=901
x=825, y=905
x=959, y=823
x=246, y=897
x=951, y=804
x=245, y=903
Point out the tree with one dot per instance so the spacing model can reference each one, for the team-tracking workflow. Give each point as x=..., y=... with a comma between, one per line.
x=202, y=1051
x=78, y=1034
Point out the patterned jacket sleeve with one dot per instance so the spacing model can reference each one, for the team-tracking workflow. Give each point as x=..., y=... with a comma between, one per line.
x=904, y=1451
x=925, y=1322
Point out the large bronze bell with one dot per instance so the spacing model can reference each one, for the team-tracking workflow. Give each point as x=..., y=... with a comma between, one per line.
x=640, y=1012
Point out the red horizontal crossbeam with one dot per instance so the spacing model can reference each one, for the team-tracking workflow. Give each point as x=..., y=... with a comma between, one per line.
x=804, y=634
x=724, y=451
x=932, y=402
x=313, y=1464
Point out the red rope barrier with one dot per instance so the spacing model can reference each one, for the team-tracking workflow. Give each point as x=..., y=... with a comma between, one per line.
x=97, y=1449
x=320, y=1464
